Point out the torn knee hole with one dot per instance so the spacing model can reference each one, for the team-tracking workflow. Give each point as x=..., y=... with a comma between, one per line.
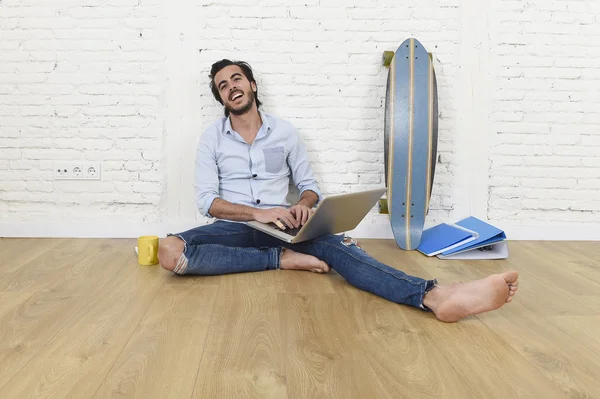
x=348, y=241
x=181, y=264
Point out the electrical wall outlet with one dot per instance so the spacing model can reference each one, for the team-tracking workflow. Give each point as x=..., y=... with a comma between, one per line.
x=60, y=171
x=92, y=171
x=76, y=170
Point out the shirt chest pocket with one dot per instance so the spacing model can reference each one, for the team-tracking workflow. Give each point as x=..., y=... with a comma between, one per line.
x=274, y=159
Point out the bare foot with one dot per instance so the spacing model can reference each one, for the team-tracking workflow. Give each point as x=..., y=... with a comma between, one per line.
x=291, y=260
x=453, y=302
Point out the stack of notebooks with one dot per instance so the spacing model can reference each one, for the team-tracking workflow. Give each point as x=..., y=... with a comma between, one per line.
x=470, y=238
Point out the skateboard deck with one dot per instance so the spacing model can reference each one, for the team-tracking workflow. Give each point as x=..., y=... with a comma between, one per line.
x=410, y=140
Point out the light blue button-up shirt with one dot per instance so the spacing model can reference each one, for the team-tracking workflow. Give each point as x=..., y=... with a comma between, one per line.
x=256, y=175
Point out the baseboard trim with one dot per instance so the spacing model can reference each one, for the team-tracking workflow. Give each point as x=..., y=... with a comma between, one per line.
x=582, y=232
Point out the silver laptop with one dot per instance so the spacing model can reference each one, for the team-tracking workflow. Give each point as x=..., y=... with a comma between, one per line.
x=334, y=214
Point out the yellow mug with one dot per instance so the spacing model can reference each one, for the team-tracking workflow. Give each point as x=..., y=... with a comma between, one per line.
x=148, y=250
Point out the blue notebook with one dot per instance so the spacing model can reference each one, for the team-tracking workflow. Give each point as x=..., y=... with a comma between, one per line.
x=487, y=235
x=444, y=237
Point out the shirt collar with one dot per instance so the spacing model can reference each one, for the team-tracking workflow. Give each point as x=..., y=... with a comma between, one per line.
x=264, y=130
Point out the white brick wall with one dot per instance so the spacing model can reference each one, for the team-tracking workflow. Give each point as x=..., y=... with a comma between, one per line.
x=125, y=82
x=80, y=80
x=545, y=158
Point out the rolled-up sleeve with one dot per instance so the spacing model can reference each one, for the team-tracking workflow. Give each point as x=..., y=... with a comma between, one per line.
x=299, y=164
x=207, y=174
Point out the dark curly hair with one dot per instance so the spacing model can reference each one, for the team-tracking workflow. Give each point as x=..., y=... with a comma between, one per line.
x=246, y=70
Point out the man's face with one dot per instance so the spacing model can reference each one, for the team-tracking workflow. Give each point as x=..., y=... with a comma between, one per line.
x=236, y=91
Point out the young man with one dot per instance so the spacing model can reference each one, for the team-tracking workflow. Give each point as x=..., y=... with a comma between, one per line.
x=243, y=164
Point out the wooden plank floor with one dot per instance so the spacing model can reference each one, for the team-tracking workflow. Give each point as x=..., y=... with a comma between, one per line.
x=81, y=319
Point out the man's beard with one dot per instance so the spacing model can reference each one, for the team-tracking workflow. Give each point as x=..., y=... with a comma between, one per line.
x=244, y=109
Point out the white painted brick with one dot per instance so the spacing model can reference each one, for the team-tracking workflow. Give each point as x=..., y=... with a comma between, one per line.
x=22, y=77
x=113, y=155
x=370, y=178
x=550, y=183
x=104, y=132
x=152, y=176
x=151, y=155
x=23, y=165
x=396, y=13
x=117, y=89
x=134, y=166
x=146, y=187
x=11, y=153
x=18, y=175
x=256, y=12
x=84, y=187
x=6, y=89
x=326, y=12
x=543, y=193
x=575, y=150
x=548, y=216
x=19, y=143
x=113, y=165
x=119, y=175
x=508, y=116
x=524, y=128
x=118, y=110
x=83, y=144
x=99, y=12
x=54, y=154
x=340, y=157
x=14, y=186
x=339, y=178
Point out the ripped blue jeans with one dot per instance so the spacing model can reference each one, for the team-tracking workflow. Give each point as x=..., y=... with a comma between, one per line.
x=226, y=247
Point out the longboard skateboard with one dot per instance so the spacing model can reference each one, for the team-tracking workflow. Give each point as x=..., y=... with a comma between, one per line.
x=410, y=140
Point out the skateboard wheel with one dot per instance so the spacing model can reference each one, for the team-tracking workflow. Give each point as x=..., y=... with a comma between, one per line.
x=387, y=58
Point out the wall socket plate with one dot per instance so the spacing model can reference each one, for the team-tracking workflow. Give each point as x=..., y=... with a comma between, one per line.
x=76, y=170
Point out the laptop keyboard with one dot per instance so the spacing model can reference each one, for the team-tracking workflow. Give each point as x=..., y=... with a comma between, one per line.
x=287, y=230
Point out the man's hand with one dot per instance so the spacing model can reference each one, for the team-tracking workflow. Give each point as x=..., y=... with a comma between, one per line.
x=277, y=216
x=301, y=213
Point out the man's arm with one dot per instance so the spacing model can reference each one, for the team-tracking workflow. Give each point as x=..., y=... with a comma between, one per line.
x=303, y=179
x=302, y=173
x=206, y=182
x=222, y=209
x=309, y=198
